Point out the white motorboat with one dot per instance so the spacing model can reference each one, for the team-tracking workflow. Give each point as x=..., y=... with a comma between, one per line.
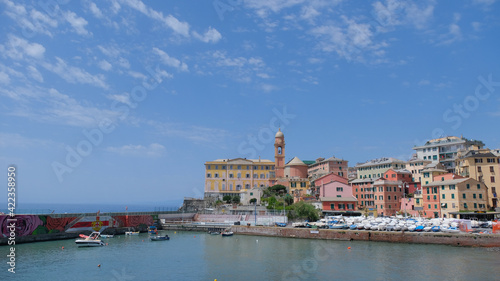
x=90, y=241
x=131, y=232
x=107, y=235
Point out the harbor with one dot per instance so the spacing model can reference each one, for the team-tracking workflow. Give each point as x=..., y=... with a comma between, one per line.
x=201, y=256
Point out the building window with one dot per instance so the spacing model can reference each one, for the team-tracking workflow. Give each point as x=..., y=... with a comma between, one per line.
x=230, y=176
x=208, y=175
x=340, y=189
x=262, y=176
x=479, y=169
x=492, y=179
x=216, y=175
x=435, y=157
x=230, y=186
x=302, y=184
x=247, y=176
x=452, y=187
x=389, y=197
x=428, y=197
x=435, y=197
x=429, y=206
x=465, y=205
x=475, y=205
x=247, y=186
x=255, y=176
x=443, y=196
x=463, y=196
x=453, y=197
x=332, y=206
x=474, y=196
x=339, y=196
x=223, y=167
x=480, y=196
x=468, y=186
x=230, y=167
x=491, y=169
x=208, y=167
x=239, y=175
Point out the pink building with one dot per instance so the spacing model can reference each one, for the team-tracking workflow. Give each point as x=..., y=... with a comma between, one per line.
x=325, y=166
x=336, y=196
x=408, y=206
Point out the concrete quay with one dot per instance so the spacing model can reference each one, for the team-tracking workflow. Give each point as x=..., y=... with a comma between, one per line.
x=452, y=239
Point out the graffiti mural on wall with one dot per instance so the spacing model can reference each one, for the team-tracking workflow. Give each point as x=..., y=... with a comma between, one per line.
x=45, y=224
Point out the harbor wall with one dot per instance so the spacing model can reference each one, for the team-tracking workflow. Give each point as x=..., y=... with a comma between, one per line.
x=52, y=224
x=453, y=239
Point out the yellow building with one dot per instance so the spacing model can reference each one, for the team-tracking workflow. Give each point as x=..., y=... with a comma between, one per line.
x=464, y=194
x=483, y=166
x=234, y=176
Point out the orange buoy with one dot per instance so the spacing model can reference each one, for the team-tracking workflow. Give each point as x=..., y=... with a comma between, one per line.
x=143, y=240
x=348, y=248
x=99, y=265
x=194, y=236
x=62, y=247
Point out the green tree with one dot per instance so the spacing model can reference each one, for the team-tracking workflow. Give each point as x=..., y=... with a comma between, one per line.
x=288, y=199
x=227, y=198
x=253, y=200
x=236, y=199
x=304, y=210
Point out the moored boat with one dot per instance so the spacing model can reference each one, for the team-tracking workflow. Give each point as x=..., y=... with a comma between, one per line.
x=90, y=241
x=131, y=232
x=227, y=233
x=159, y=238
x=107, y=235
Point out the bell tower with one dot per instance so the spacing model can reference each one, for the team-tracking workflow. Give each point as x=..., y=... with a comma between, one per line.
x=279, y=154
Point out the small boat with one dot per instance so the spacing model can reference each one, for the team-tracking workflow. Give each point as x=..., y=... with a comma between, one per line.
x=227, y=233
x=107, y=235
x=412, y=227
x=152, y=230
x=281, y=224
x=214, y=232
x=451, y=229
x=419, y=228
x=131, y=232
x=90, y=241
x=338, y=226
x=159, y=238
x=427, y=228
x=353, y=227
x=435, y=228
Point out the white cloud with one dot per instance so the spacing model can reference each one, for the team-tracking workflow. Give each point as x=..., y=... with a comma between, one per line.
x=48, y=105
x=195, y=134
x=170, y=21
x=18, y=48
x=78, y=23
x=268, y=88
x=95, y=10
x=32, y=22
x=239, y=68
x=35, y=74
x=124, y=98
x=104, y=65
x=74, y=74
x=153, y=150
x=4, y=78
x=397, y=12
x=211, y=36
x=424, y=82
x=10, y=140
x=110, y=51
x=170, y=61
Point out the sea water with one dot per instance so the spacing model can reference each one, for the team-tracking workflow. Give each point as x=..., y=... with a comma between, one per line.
x=200, y=256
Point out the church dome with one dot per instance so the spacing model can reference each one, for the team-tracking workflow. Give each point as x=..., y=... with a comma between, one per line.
x=279, y=134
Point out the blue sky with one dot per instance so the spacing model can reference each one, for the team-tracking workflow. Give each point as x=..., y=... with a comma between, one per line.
x=123, y=101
